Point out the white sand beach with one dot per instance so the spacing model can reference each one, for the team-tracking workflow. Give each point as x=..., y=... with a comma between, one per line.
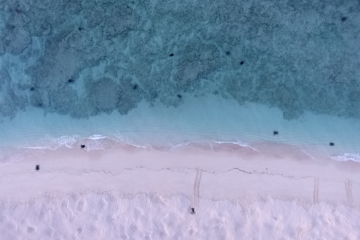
x=266, y=191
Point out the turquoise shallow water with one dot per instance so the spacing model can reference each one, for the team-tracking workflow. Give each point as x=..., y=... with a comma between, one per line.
x=167, y=71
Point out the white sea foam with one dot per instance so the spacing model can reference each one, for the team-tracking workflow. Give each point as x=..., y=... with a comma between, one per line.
x=97, y=137
x=53, y=143
x=354, y=157
x=93, y=142
x=66, y=141
x=239, y=143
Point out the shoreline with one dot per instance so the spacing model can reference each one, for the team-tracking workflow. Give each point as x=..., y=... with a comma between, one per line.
x=163, y=125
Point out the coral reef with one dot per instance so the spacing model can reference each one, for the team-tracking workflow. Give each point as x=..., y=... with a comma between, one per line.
x=294, y=55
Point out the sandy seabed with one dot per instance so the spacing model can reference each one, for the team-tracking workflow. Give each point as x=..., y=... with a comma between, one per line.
x=190, y=191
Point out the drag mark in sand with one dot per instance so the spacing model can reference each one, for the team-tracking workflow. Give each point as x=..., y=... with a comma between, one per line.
x=196, y=194
x=347, y=185
x=316, y=191
x=81, y=171
x=253, y=172
x=348, y=190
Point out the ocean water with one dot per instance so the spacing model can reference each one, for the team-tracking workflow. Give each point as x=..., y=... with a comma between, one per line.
x=168, y=72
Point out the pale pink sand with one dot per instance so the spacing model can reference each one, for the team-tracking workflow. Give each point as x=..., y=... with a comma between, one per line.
x=279, y=192
x=115, y=216
x=229, y=171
